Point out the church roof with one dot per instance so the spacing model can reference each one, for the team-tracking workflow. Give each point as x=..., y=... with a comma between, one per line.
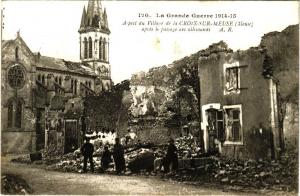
x=50, y=63
x=56, y=64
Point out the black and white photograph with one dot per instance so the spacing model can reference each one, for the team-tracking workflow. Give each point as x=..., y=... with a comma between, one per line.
x=103, y=97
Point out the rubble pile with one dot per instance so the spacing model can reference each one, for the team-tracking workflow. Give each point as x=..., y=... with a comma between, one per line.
x=281, y=175
x=22, y=159
x=140, y=159
x=12, y=184
x=262, y=174
x=187, y=148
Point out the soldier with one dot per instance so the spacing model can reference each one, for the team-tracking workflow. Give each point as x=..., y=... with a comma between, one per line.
x=118, y=155
x=87, y=151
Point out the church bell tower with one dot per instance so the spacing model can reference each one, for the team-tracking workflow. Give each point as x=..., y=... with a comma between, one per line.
x=94, y=42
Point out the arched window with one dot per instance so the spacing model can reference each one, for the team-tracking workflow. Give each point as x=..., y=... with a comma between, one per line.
x=18, y=119
x=72, y=85
x=56, y=79
x=10, y=114
x=14, y=113
x=39, y=77
x=90, y=47
x=75, y=87
x=85, y=49
x=100, y=49
x=43, y=79
x=17, y=53
x=90, y=84
x=59, y=81
x=104, y=49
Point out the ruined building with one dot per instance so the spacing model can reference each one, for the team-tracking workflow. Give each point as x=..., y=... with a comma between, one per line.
x=42, y=96
x=243, y=104
x=243, y=94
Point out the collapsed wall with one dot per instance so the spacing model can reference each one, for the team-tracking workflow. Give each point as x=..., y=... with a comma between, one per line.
x=283, y=48
x=164, y=102
x=156, y=105
x=251, y=92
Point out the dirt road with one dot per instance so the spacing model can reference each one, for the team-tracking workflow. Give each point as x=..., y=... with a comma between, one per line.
x=50, y=182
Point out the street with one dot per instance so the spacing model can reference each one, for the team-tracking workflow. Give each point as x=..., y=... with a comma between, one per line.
x=50, y=182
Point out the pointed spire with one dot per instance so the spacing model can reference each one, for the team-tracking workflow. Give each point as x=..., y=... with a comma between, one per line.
x=83, y=18
x=105, y=19
x=94, y=16
x=18, y=33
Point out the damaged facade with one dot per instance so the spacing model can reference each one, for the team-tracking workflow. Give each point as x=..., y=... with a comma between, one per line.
x=42, y=97
x=241, y=97
x=242, y=104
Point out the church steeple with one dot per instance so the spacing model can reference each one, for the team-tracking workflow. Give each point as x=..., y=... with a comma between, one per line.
x=94, y=41
x=83, y=18
x=94, y=17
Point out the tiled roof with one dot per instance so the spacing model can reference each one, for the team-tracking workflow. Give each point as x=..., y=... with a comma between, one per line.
x=62, y=65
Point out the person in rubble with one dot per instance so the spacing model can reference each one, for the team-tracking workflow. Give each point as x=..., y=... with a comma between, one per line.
x=118, y=155
x=171, y=157
x=106, y=158
x=87, y=151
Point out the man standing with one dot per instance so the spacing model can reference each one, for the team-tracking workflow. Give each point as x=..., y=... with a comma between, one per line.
x=87, y=151
x=105, y=158
x=171, y=157
x=118, y=155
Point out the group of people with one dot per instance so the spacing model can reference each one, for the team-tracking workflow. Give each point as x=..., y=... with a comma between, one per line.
x=87, y=151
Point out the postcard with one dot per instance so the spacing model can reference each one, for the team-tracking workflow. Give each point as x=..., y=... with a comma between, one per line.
x=149, y=97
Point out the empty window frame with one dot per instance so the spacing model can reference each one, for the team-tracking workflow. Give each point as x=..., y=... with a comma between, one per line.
x=231, y=78
x=233, y=124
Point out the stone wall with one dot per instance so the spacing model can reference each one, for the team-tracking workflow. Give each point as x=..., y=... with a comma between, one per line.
x=16, y=53
x=283, y=48
x=291, y=126
x=17, y=142
x=276, y=57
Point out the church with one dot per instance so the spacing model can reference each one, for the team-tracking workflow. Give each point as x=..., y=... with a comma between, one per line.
x=43, y=97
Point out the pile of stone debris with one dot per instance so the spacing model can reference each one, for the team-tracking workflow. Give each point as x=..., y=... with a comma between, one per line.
x=187, y=147
x=12, y=184
x=193, y=166
x=261, y=174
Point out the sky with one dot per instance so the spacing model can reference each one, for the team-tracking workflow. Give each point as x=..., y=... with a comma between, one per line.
x=51, y=27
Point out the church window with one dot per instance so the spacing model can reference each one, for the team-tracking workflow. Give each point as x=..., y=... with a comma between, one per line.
x=17, y=53
x=104, y=49
x=16, y=76
x=100, y=49
x=18, y=114
x=56, y=80
x=9, y=114
x=96, y=45
x=43, y=79
x=59, y=81
x=39, y=77
x=85, y=49
x=14, y=113
x=90, y=47
x=72, y=85
x=75, y=87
